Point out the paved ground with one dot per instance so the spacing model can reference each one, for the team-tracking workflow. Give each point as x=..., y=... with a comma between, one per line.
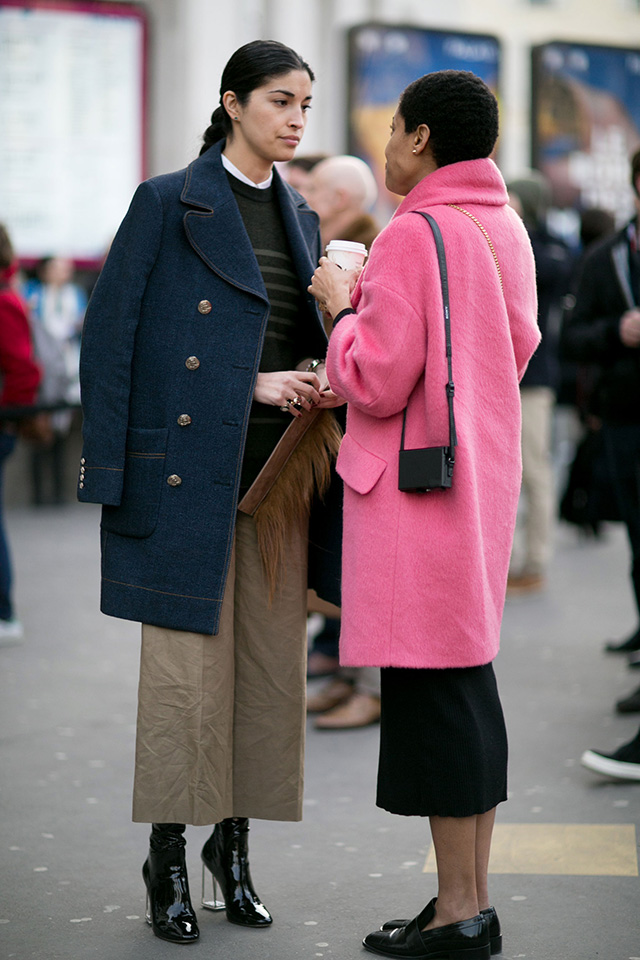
x=70, y=857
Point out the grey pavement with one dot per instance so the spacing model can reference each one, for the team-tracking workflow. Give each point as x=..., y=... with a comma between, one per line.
x=70, y=857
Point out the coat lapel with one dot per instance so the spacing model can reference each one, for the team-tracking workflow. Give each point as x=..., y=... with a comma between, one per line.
x=215, y=229
x=620, y=257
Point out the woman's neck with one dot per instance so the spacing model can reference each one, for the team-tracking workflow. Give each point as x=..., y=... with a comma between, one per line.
x=256, y=168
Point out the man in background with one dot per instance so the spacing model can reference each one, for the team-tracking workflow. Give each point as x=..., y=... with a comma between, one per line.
x=342, y=190
x=531, y=197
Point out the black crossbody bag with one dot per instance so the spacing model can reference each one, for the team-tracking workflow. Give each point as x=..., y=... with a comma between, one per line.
x=431, y=468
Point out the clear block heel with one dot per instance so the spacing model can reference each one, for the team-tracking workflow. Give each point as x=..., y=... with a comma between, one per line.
x=213, y=904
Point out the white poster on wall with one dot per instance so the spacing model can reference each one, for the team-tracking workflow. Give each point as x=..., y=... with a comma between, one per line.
x=71, y=125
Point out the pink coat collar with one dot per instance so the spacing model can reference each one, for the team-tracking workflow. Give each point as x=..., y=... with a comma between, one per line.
x=470, y=181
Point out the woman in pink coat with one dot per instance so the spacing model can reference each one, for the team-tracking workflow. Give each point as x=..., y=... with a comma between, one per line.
x=424, y=574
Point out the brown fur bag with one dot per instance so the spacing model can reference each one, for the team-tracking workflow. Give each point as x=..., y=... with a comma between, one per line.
x=287, y=505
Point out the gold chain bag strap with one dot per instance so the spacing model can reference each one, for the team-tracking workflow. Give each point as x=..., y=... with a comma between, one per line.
x=486, y=236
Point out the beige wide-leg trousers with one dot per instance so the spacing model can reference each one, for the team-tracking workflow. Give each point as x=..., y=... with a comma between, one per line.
x=221, y=719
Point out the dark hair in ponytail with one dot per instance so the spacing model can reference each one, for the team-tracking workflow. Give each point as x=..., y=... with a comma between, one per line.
x=250, y=67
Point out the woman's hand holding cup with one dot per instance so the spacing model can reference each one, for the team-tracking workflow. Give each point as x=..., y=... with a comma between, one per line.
x=337, y=274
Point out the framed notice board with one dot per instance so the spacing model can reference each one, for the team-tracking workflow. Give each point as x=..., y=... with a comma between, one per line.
x=383, y=60
x=72, y=123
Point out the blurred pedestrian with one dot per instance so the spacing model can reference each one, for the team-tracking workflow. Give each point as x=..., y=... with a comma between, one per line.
x=20, y=379
x=201, y=347
x=342, y=190
x=554, y=262
x=424, y=573
x=297, y=172
x=56, y=306
x=603, y=328
x=587, y=497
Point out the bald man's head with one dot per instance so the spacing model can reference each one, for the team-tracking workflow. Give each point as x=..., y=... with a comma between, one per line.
x=339, y=190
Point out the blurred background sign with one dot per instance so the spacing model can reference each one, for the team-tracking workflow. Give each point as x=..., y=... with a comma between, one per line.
x=586, y=122
x=383, y=60
x=72, y=122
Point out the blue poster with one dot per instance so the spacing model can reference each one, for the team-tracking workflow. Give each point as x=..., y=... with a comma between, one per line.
x=586, y=123
x=383, y=60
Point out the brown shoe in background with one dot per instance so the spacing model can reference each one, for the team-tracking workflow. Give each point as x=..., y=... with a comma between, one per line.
x=321, y=665
x=360, y=710
x=331, y=695
x=525, y=583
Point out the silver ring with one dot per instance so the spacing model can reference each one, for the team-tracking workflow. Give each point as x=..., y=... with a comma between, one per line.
x=285, y=407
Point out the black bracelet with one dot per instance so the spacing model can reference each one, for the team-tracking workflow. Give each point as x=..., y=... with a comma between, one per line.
x=343, y=313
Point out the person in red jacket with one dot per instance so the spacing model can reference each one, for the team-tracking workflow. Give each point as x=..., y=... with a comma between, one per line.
x=20, y=378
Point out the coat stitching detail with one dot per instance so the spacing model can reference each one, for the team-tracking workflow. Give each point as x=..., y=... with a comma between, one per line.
x=136, y=586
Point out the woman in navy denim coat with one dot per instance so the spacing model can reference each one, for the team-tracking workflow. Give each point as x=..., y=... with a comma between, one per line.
x=202, y=295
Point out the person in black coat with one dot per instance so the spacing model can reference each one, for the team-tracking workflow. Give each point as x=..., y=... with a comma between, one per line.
x=603, y=327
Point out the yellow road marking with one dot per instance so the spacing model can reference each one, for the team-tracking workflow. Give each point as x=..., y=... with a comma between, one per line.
x=569, y=849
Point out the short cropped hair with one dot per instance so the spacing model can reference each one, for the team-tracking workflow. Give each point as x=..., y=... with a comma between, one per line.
x=460, y=111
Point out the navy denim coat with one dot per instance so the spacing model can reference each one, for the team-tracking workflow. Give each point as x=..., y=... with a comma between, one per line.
x=171, y=349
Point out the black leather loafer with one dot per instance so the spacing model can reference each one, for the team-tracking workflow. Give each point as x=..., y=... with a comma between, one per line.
x=465, y=940
x=490, y=915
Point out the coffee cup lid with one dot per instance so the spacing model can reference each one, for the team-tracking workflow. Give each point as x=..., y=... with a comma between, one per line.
x=348, y=245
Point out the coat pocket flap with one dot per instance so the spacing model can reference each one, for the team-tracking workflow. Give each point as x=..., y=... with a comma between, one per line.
x=359, y=468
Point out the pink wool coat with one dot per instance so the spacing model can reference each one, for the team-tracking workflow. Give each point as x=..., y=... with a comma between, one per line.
x=424, y=574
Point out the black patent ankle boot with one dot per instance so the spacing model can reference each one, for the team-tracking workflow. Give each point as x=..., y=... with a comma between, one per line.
x=169, y=910
x=226, y=856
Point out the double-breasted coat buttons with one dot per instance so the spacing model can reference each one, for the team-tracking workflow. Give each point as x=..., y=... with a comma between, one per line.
x=184, y=420
x=192, y=363
x=204, y=307
x=174, y=480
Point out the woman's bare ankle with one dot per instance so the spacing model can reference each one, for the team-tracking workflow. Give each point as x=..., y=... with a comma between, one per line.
x=453, y=910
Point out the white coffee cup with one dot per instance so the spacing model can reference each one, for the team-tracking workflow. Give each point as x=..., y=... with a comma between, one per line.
x=346, y=253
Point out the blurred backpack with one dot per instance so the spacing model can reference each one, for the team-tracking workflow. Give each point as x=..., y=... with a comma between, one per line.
x=589, y=497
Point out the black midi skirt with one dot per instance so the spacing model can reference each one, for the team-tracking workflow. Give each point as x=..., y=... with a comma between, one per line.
x=443, y=742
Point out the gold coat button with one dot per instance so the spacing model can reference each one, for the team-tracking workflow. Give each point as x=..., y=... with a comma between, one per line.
x=204, y=307
x=174, y=480
x=192, y=363
x=184, y=420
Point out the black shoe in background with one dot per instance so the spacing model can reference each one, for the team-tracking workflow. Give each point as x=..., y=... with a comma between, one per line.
x=631, y=645
x=630, y=704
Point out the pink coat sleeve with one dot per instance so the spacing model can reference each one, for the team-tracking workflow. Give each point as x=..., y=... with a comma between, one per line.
x=520, y=292
x=377, y=355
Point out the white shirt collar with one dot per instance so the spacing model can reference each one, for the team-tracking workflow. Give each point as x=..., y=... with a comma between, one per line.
x=233, y=170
